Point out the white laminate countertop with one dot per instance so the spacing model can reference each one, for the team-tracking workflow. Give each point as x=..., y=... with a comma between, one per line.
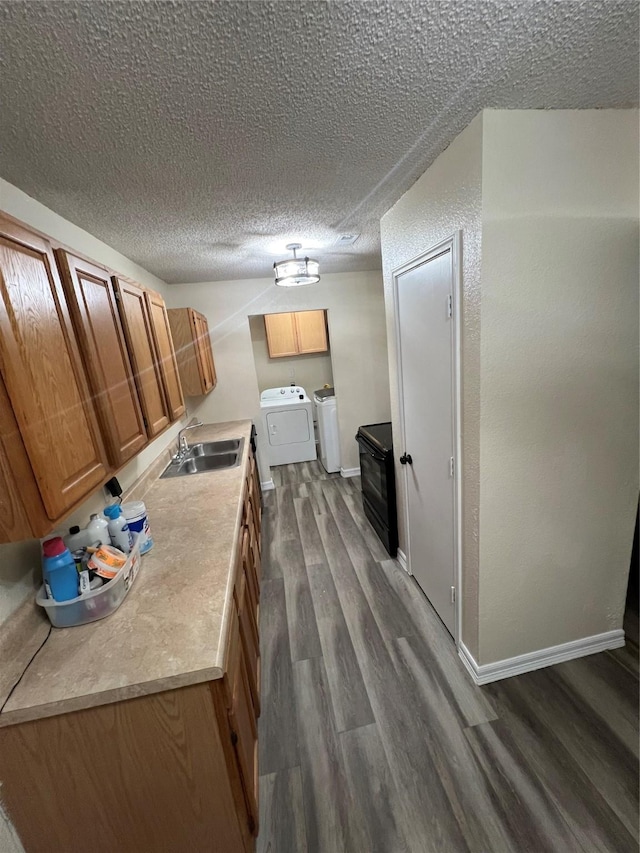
x=171, y=629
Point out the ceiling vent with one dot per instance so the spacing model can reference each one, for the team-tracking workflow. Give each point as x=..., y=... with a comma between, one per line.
x=347, y=239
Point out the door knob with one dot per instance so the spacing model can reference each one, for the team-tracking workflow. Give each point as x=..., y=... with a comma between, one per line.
x=406, y=459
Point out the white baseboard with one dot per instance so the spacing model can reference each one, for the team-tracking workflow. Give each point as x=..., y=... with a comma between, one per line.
x=349, y=472
x=267, y=485
x=401, y=557
x=487, y=672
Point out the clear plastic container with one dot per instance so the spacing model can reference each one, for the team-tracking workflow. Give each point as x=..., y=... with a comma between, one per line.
x=95, y=604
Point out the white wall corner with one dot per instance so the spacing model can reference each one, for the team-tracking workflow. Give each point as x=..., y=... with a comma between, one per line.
x=488, y=672
x=349, y=472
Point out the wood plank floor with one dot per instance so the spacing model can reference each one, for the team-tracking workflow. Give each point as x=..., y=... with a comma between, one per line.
x=373, y=738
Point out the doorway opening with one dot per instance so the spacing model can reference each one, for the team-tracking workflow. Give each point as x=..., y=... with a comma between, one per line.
x=292, y=357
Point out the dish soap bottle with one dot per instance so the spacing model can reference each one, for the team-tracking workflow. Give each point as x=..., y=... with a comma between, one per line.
x=59, y=570
x=118, y=528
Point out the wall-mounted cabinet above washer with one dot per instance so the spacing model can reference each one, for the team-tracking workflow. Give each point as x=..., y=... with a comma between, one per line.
x=296, y=333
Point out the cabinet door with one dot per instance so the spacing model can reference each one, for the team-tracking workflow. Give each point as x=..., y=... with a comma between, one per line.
x=209, y=351
x=249, y=638
x=94, y=312
x=42, y=373
x=311, y=331
x=242, y=721
x=205, y=354
x=137, y=329
x=281, y=335
x=166, y=354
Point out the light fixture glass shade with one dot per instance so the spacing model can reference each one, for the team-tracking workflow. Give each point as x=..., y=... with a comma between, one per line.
x=294, y=272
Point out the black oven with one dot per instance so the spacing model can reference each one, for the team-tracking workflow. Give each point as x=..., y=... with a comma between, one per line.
x=378, y=482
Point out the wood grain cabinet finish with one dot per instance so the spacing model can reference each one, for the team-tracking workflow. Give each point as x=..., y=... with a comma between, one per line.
x=166, y=354
x=43, y=381
x=281, y=335
x=136, y=323
x=94, y=311
x=155, y=773
x=176, y=770
x=296, y=333
x=190, y=331
x=311, y=331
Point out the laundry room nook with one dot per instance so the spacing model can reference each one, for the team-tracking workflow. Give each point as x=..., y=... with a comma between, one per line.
x=298, y=407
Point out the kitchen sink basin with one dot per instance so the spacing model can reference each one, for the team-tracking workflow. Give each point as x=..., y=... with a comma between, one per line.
x=211, y=448
x=206, y=456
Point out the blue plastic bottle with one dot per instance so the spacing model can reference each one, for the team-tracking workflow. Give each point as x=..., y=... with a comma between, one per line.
x=59, y=570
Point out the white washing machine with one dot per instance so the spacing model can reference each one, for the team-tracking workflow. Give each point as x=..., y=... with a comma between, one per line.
x=327, y=414
x=287, y=424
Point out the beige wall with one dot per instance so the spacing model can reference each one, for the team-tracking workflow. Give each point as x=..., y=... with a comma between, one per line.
x=559, y=356
x=446, y=198
x=20, y=562
x=548, y=206
x=309, y=371
x=356, y=320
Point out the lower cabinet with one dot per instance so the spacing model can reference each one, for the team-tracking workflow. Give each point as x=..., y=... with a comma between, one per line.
x=173, y=771
x=156, y=773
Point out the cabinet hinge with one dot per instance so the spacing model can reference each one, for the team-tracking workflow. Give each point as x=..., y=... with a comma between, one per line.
x=453, y=595
x=452, y=467
x=449, y=305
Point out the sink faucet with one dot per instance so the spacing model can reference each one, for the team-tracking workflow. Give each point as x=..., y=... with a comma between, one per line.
x=183, y=447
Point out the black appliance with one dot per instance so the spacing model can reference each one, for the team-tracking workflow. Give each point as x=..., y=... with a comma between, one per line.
x=378, y=482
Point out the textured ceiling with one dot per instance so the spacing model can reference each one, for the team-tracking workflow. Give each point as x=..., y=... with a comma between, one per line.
x=194, y=136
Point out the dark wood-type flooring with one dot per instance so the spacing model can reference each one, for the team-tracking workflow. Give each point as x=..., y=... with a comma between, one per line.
x=373, y=739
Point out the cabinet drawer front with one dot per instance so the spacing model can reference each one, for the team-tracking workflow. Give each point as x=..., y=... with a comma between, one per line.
x=95, y=314
x=44, y=379
x=137, y=327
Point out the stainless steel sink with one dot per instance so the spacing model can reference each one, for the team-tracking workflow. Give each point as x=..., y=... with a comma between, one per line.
x=210, y=448
x=206, y=456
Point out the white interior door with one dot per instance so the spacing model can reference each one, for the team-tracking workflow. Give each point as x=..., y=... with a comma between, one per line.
x=425, y=297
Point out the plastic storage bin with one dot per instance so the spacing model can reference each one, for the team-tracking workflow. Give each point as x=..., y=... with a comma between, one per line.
x=97, y=604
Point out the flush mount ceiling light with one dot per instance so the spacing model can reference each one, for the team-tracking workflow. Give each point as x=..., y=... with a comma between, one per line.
x=294, y=272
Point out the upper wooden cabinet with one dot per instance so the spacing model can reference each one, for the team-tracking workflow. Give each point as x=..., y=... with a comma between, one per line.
x=166, y=354
x=43, y=384
x=296, y=333
x=190, y=331
x=88, y=375
x=93, y=308
x=137, y=328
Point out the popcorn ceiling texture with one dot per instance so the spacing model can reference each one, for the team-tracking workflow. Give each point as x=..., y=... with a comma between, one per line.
x=166, y=129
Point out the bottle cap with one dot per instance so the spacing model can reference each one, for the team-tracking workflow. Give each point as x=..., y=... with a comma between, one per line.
x=74, y=529
x=112, y=511
x=53, y=547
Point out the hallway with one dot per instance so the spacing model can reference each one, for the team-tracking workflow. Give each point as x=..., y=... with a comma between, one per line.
x=372, y=736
